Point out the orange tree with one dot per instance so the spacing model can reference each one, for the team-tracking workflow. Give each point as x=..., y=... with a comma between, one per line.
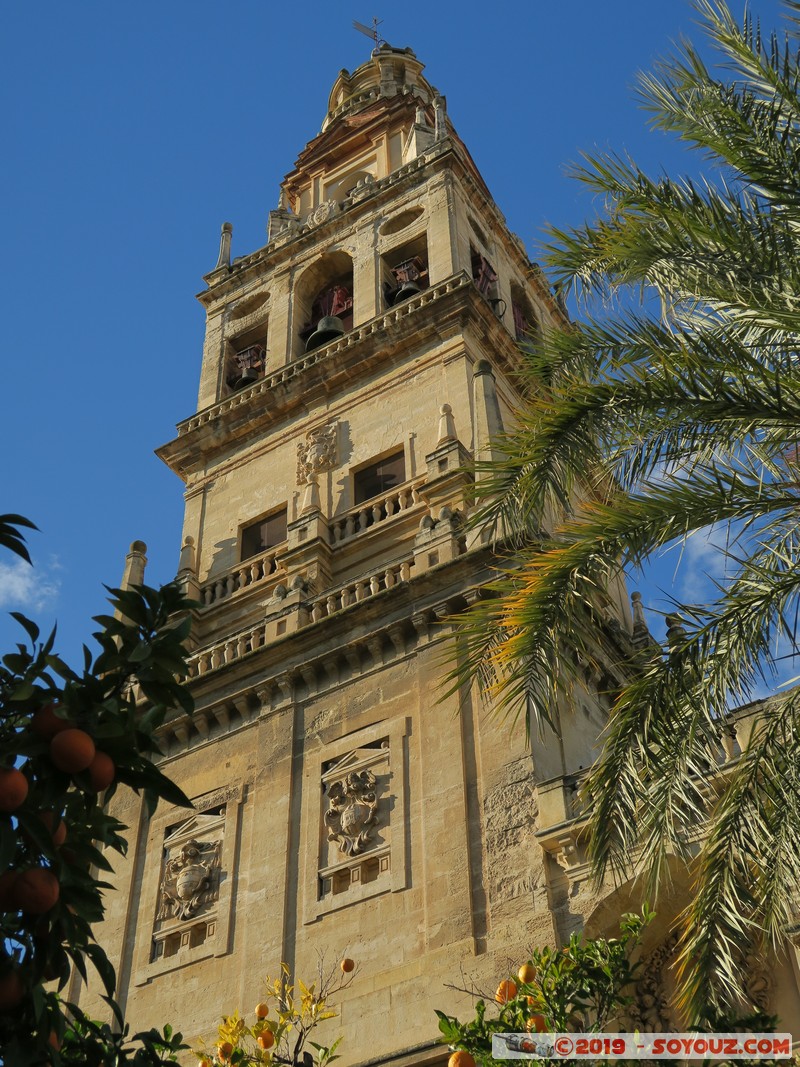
x=584, y=986
x=282, y=1023
x=68, y=740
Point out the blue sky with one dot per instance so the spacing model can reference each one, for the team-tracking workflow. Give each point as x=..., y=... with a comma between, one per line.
x=131, y=132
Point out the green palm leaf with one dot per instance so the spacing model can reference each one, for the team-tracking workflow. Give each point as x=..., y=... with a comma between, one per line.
x=638, y=429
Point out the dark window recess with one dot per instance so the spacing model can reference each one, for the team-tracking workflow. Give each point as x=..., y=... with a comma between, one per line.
x=483, y=274
x=379, y=477
x=520, y=322
x=264, y=534
x=336, y=300
x=410, y=276
x=246, y=366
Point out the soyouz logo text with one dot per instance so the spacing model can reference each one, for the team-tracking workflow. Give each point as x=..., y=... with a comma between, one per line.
x=687, y=1046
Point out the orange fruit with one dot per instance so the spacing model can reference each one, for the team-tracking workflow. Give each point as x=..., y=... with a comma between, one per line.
x=46, y=724
x=266, y=1039
x=506, y=991
x=13, y=788
x=262, y=1010
x=224, y=1051
x=72, y=750
x=347, y=965
x=102, y=771
x=526, y=974
x=461, y=1059
x=538, y=1023
x=36, y=891
x=11, y=990
x=54, y=1041
x=205, y=1062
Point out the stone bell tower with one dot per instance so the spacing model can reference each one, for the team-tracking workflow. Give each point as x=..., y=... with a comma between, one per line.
x=352, y=368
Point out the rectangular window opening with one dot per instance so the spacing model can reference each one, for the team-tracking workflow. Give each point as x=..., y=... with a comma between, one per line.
x=265, y=534
x=379, y=478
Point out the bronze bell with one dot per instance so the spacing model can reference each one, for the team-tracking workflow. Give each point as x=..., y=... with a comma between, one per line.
x=247, y=377
x=328, y=329
x=406, y=290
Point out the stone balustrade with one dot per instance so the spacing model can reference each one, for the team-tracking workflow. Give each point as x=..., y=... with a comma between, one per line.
x=361, y=589
x=376, y=510
x=227, y=651
x=255, y=637
x=244, y=575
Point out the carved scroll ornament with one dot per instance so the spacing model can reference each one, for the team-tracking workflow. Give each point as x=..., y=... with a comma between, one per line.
x=352, y=811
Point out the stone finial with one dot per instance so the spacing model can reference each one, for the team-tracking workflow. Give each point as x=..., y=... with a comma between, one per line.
x=488, y=424
x=187, y=563
x=676, y=634
x=224, y=258
x=133, y=572
x=641, y=634
x=311, y=501
x=440, y=120
x=447, y=426
x=135, y=563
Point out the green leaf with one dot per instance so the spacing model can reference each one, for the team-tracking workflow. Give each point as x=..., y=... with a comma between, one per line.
x=103, y=967
x=30, y=627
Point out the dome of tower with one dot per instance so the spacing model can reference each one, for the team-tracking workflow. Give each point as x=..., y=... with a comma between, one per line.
x=388, y=72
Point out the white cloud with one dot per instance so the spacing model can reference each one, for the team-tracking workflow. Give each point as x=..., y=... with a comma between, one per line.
x=23, y=586
x=701, y=562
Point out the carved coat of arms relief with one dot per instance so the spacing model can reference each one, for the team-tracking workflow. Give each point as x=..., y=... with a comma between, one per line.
x=317, y=453
x=351, y=814
x=190, y=880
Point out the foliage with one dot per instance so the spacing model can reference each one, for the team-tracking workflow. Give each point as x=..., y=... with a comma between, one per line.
x=56, y=839
x=673, y=408
x=584, y=986
x=88, y=1043
x=295, y=1010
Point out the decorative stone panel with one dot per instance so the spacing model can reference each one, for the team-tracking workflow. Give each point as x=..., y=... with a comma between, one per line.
x=356, y=800
x=187, y=897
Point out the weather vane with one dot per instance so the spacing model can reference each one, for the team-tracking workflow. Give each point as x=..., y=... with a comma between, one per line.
x=373, y=33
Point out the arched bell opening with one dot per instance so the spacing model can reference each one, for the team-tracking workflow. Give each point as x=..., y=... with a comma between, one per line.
x=323, y=302
x=526, y=324
x=483, y=274
x=404, y=270
x=246, y=358
x=246, y=341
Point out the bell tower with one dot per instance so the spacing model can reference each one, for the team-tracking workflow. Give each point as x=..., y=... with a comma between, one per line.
x=352, y=368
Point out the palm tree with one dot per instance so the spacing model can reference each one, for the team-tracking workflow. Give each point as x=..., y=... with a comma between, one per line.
x=684, y=404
